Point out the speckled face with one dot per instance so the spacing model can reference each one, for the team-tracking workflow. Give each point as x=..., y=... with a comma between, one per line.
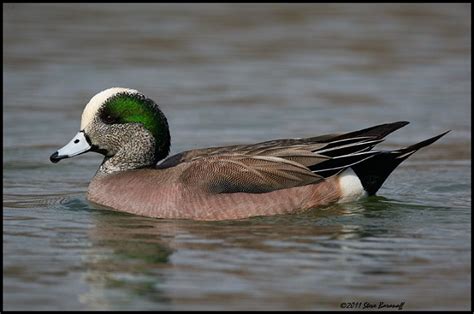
x=121, y=123
x=124, y=107
x=127, y=116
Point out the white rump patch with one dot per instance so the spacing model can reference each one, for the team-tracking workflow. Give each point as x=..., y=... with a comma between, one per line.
x=351, y=187
x=94, y=104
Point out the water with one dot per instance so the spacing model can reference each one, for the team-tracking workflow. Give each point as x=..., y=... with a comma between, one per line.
x=226, y=74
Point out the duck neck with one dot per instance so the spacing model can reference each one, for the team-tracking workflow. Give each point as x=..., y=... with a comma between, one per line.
x=135, y=154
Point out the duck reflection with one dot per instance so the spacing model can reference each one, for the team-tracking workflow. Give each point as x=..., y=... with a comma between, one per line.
x=146, y=263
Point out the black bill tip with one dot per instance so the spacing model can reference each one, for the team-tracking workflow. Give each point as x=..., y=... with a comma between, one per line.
x=55, y=157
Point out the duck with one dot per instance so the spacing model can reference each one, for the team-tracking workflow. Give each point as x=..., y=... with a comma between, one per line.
x=280, y=176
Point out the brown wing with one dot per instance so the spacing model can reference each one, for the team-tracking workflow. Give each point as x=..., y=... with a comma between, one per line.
x=307, y=151
x=248, y=149
x=231, y=173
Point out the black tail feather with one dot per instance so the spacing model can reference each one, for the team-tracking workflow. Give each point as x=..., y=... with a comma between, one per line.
x=407, y=151
x=331, y=166
x=375, y=132
x=374, y=171
x=348, y=149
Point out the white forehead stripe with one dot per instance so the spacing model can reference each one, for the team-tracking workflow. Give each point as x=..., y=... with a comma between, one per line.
x=94, y=104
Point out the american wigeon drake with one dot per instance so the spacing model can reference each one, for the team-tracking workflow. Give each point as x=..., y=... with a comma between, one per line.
x=217, y=183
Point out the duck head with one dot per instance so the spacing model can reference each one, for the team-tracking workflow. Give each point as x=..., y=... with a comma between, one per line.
x=126, y=127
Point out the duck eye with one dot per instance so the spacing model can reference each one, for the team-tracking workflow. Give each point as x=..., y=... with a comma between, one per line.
x=108, y=118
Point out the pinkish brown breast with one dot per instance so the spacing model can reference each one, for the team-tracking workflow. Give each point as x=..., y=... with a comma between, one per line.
x=144, y=192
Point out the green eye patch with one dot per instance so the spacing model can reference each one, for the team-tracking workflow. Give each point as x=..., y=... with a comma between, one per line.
x=135, y=108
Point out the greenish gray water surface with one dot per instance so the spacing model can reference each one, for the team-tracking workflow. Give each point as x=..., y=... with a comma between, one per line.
x=226, y=74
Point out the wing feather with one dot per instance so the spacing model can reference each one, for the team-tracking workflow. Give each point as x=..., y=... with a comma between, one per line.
x=232, y=173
